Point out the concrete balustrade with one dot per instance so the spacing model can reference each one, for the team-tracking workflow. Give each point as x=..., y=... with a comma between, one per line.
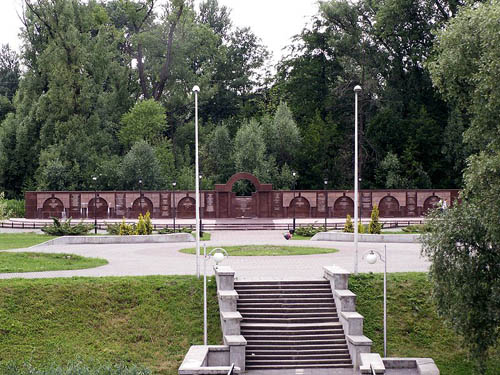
x=351, y=321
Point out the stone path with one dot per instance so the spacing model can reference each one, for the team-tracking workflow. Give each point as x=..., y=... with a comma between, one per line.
x=165, y=259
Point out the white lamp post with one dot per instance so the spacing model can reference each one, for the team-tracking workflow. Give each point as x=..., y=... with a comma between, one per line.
x=218, y=254
x=357, y=89
x=371, y=257
x=196, y=90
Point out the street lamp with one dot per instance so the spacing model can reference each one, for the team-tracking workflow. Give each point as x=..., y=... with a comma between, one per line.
x=294, y=174
x=357, y=89
x=95, y=204
x=175, y=204
x=325, y=183
x=201, y=215
x=196, y=90
x=219, y=254
x=140, y=194
x=371, y=257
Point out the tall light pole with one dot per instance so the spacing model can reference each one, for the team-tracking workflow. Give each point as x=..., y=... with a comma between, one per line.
x=357, y=89
x=371, y=257
x=196, y=90
x=95, y=204
x=294, y=174
x=174, y=203
x=201, y=216
x=325, y=183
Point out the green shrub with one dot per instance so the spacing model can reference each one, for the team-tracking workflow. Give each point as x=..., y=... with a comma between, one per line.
x=113, y=229
x=127, y=229
x=307, y=231
x=16, y=207
x=73, y=368
x=361, y=227
x=419, y=228
x=177, y=230
x=141, y=226
x=5, y=212
x=66, y=229
x=375, y=225
x=348, y=227
x=148, y=223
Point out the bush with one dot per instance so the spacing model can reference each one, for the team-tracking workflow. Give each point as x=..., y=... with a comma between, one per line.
x=177, y=230
x=348, y=227
x=5, y=212
x=113, y=229
x=419, y=228
x=148, y=223
x=66, y=229
x=127, y=229
x=307, y=231
x=141, y=226
x=361, y=228
x=16, y=207
x=375, y=226
x=75, y=368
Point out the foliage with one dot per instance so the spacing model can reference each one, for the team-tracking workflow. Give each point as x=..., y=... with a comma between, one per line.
x=145, y=121
x=16, y=207
x=127, y=229
x=418, y=228
x=374, y=227
x=113, y=229
x=74, y=368
x=308, y=231
x=348, y=226
x=66, y=229
x=39, y=262
x=178, y=229
x=10, y=73
x=141, y=163
x=141, y=226
x=148, y=224
x=5, y=211
x=361, y=227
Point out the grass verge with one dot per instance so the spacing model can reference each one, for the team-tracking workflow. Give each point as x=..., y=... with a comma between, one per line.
x=266, y=250
x=21, y=240
x=413, y=326
x=148, y=321
x=38, y=262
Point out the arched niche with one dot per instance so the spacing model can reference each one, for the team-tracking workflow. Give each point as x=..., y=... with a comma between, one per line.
x=228, y=186
x=141, y=205
x=430, y=203
x=388, y=207
x=244, y=188
x=101, y=208
x=186, y=208
x=52, y=207
x=299, y=207
x=343, y=206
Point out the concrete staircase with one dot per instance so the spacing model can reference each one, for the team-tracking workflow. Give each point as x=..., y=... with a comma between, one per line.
x=291, y=324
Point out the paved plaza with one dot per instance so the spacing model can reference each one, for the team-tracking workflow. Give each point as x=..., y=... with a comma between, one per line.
x=165, y=259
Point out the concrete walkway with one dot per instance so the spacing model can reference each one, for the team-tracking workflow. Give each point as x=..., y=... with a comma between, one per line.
x=165, y=259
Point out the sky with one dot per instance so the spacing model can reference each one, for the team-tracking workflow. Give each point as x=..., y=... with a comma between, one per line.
x=274, y=21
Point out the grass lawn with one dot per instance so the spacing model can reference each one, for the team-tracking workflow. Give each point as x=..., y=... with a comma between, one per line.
x=413, y=327
x=266, y=250
x=152, y=321
x=36, y=262
x=21, y=240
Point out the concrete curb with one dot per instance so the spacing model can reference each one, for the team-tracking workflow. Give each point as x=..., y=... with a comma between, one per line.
x=156, y=238
x=349, y=237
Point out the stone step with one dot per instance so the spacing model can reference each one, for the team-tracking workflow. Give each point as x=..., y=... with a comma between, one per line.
x=299, y=291
x=297, y=343
x=250, y=338
x=300, y=366
x=282, y=287
x=286, y=298
x=287, y=315
x=291, y=320
x=331, y=345
x=300, y=356
x=288, y=326
x=286, y=310
x=280, y=282
x=281, y=362
x=341, y=349
x=275, y=305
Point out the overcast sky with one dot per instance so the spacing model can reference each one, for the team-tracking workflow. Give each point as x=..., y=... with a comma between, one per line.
x=274, y=21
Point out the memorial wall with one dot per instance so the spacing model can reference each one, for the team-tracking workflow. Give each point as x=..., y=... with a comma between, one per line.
x=224, y=203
